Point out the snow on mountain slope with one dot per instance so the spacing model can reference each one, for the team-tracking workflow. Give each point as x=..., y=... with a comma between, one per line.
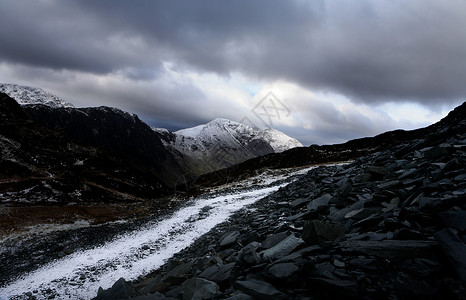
x=222, y=143
x=30, y=95
x=278, y=140
x=232, y=133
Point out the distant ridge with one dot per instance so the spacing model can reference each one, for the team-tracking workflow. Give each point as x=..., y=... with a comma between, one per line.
x=222, y=143
x=25, y=95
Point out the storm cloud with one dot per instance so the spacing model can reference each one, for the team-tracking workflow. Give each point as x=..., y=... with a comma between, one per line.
x=370, y=52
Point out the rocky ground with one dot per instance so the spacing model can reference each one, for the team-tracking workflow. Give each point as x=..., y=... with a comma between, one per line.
x=390, y=225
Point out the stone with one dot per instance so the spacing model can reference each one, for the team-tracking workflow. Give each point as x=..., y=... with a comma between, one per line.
x=283, y=270
x=145, y=286
x=297, y=216
x=259, y=289
x=415, y=289
x=344, y=186
x=248, y=255
x=283, y=248
x=273, y=240
x=177, y=275
x=338, y=216
x=392, y=205
x=376, y=170
x=436, y=152
x=325, y=269
x=455, y=250
x=319, y=203
x=317, y=232
x=198, y=289
x=362, y=213
x=454, y=219
x=408, y=173
x=299, y=203
x=338, y=264
x=218, y=273
x=229, y=239
x=408, y=234
x=391, y=249
x=372, y=220
x=156, y=296
x=121, y=289
x=346, y=288
x=248, y=237
x=240, y=296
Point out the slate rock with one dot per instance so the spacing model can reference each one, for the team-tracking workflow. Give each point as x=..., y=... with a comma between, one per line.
x=283, y=248
x=248, y=255
x=283, y=270
x=177, y=275
x=376, y=170
x=391, y=249
x=346, y=288
x=362, y=213
x=295, y=204
x=317, y=232
x=273, y=240
x=454, y=219
x=198, y=289
x=338, y=216
x=319, y=203
x=218, y=273
x=121, y=289
x=344, y=186
x=259, y=289
x=229, y=239
x=408, y=234
x=410, y=288
x=240, y=296
x=147, y=285
x=455, y=251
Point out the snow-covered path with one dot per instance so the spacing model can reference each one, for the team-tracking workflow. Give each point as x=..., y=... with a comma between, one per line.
x=79, y=275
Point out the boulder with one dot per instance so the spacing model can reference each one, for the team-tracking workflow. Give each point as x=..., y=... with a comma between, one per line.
x=229, y=239
x=390, y=249
x=119, y=290
x=283, y=270
x=283, y=248
x=455, y=251
x=273, y=240
x=317, y=232
x=259, y=289
x=218, y=273
x=248, y=255
x=198, y=289
x=319, y=203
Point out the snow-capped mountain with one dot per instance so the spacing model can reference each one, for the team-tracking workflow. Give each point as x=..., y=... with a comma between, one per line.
x=222, y=143
x=30, y=95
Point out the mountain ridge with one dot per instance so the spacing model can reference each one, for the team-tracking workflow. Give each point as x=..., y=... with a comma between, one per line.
x=26, y=95
x=452, y=124
x=222, y=143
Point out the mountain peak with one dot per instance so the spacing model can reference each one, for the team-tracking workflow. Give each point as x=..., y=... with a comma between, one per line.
x=25, y=95
x=221, y=143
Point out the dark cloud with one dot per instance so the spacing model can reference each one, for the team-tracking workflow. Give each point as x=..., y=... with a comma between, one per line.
x=370, y=51
x=114, y=52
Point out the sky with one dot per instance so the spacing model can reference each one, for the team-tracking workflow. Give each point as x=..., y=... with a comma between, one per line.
x=321, y=71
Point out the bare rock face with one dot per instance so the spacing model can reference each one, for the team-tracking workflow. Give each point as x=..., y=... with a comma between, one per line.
x=63, y=155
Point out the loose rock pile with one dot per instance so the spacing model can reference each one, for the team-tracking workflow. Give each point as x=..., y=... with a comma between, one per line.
x=388, y=226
